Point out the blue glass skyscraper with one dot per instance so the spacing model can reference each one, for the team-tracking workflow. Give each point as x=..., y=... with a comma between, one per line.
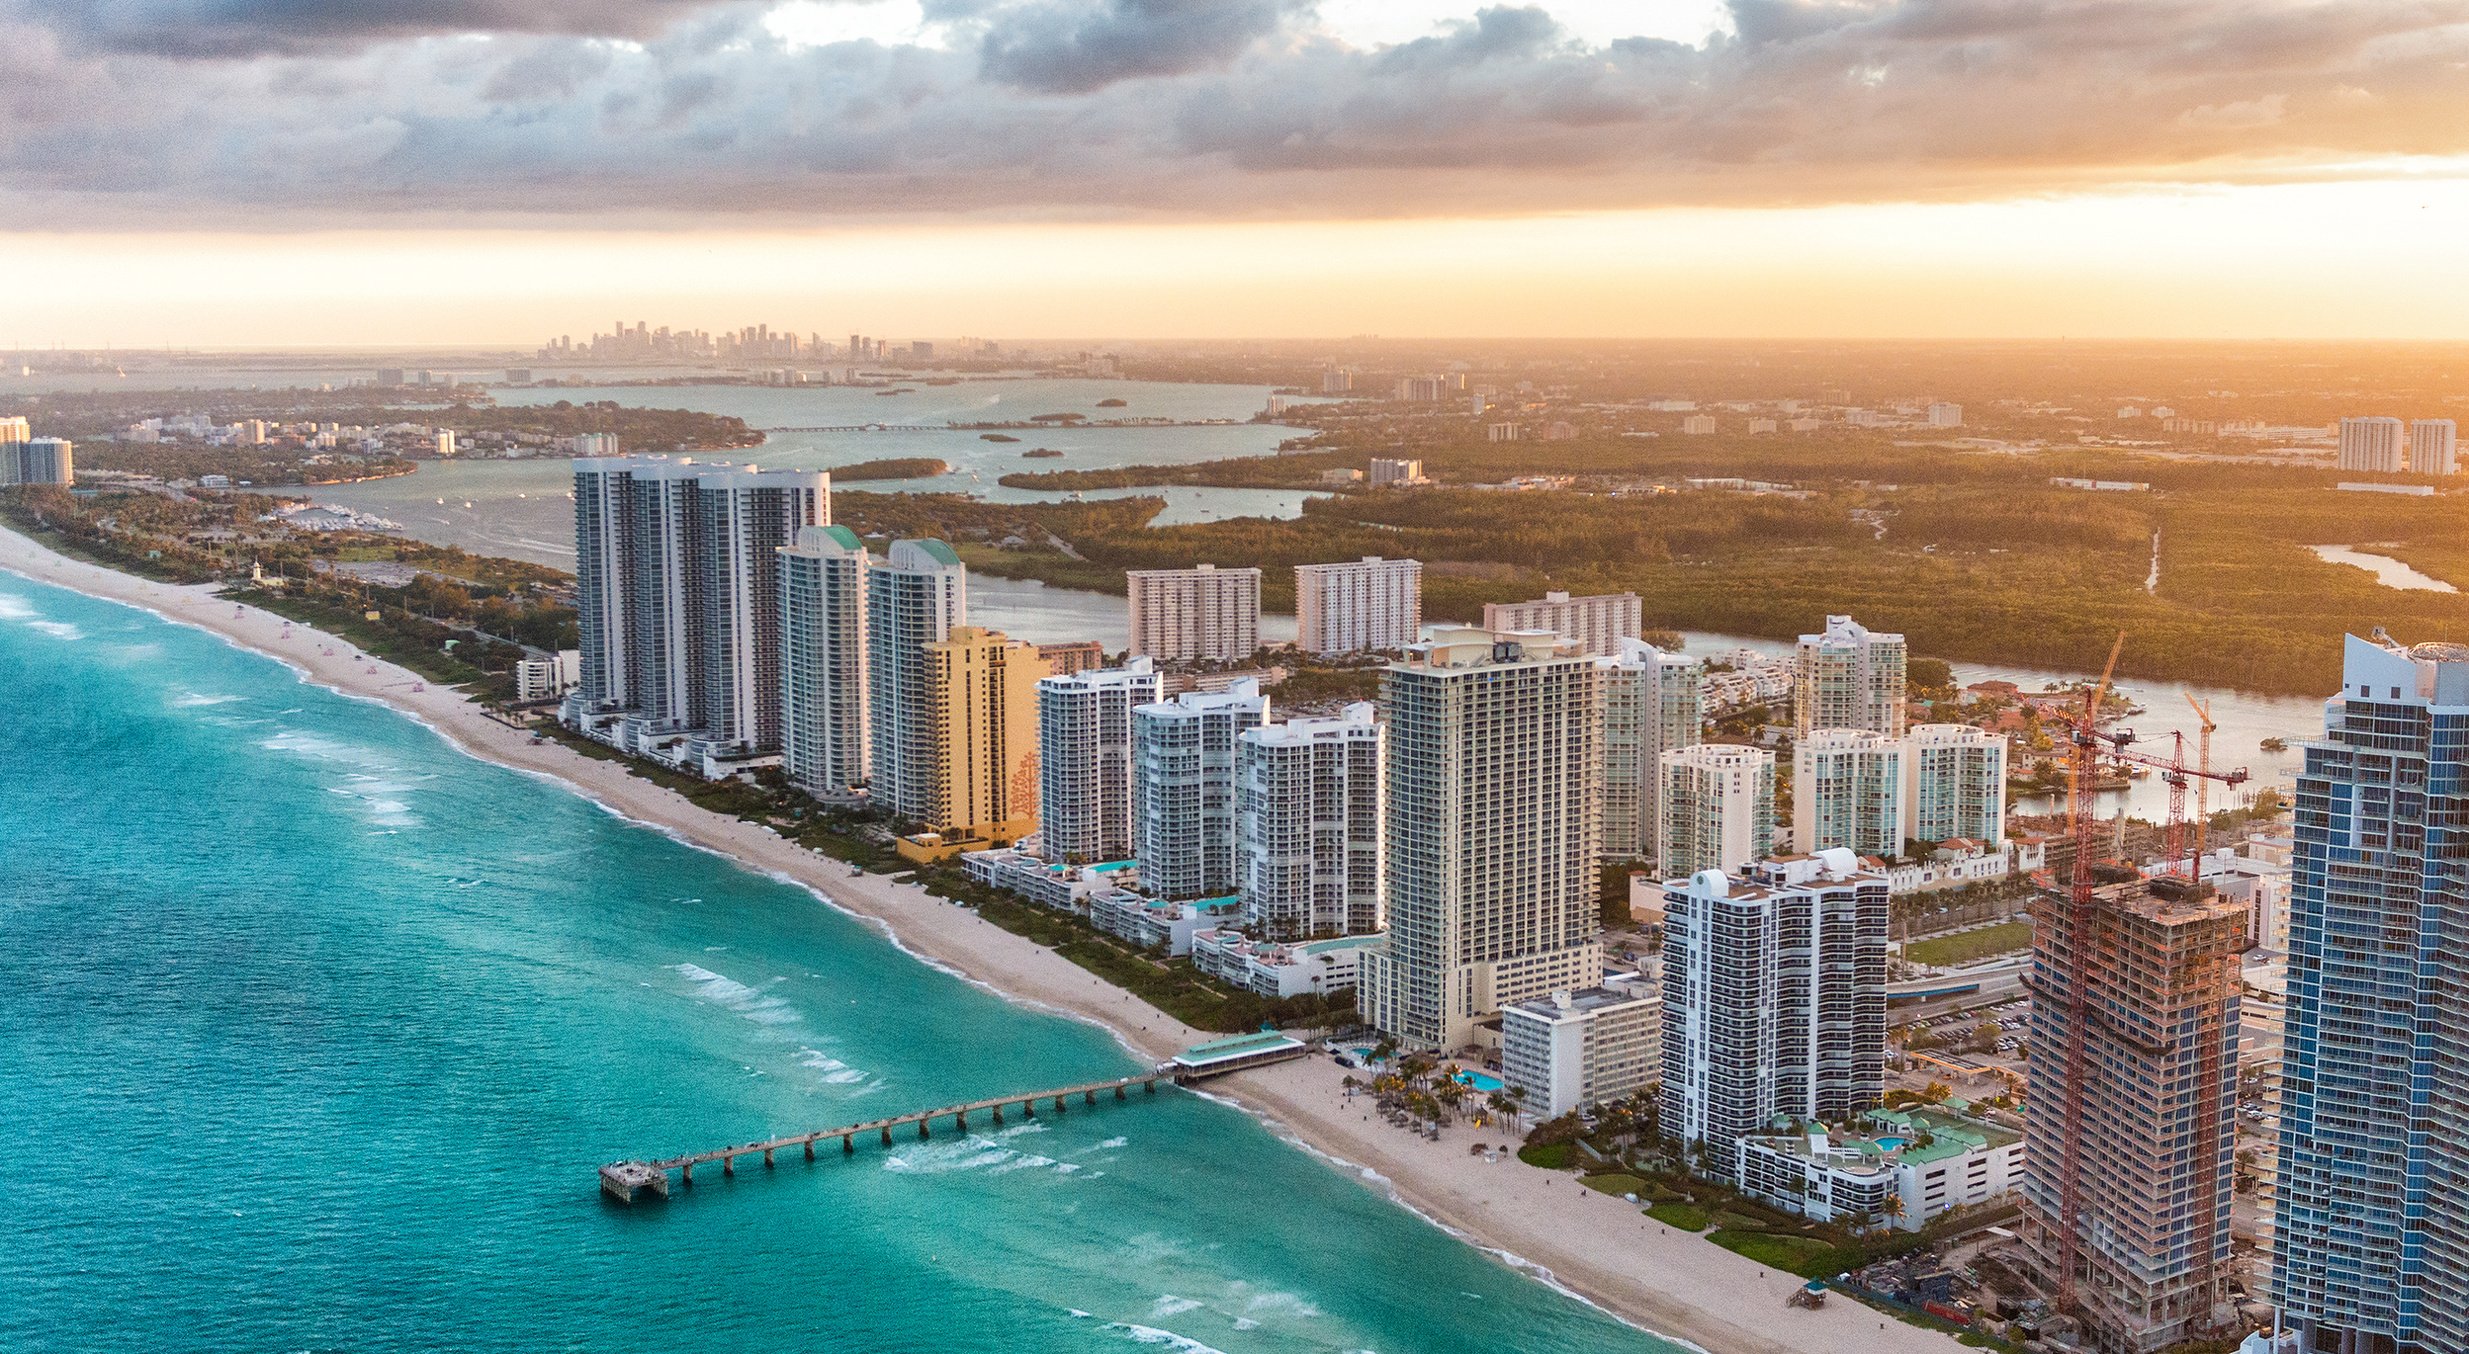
x=2372, y=1225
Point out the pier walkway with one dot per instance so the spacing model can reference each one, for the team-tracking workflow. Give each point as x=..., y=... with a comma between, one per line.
x=627, y=1181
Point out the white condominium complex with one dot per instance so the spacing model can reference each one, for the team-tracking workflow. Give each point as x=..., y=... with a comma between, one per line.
x=16, y=428
x=1183, y=789
x=2370, y=444
x=1308, y=827
x=1203, y=613
x=27, y=459
x=1084, y=741
x=1718, y=810
x=1847, y=791
x=1369, y=605
x=1653, y=703
x=1774, y=998
x=1954, y=784
x=1598, y=623
x=678, y=600
x=1495, y=773
x=823, y=714
x=913, y=598
x=742, y=519
x=1848, y=678
x=2434, y=446
x=1574, y=1049
x=1387, y=471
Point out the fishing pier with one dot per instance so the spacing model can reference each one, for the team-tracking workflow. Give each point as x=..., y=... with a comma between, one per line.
x=628, y=1181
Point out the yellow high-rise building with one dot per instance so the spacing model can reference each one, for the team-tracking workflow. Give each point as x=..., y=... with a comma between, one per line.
x=982, y=708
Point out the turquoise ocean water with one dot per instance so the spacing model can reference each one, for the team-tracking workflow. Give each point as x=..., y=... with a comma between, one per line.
x=313, y=1030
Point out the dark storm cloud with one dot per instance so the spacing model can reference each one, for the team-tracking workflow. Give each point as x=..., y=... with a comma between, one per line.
x=460, y=110
x=223, y=29
x=1063, y=47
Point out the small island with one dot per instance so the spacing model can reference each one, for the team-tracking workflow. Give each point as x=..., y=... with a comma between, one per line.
x=1039, y=453
x=1112, y=404
x=891, y=468
x=1058, y=418
x=996, y=437
x=2275, y=745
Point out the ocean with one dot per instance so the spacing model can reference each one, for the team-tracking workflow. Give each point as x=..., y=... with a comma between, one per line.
x=313, y=1031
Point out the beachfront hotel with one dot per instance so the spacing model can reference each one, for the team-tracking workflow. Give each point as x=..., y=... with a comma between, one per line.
x=913, y=598
x=1597, y=623
x=678, y=600
x=1200, y=614
x=1308, y=826
x=2375, y=1072
x=1847, y=791
x=1717, y=810
x=1183, y=788
x=823, y=712
x=1365, y=606
x=1774, y=998
x=1848, y=678
x=1653, y=703
x=1569, y=1050
x=27, y=459
x=1084, y=738
x=1495, y=776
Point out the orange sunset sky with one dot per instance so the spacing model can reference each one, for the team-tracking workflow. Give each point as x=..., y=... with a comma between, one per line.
x=495, y=171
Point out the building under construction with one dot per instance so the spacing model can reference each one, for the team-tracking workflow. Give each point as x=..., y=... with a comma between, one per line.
x=2130, y=1112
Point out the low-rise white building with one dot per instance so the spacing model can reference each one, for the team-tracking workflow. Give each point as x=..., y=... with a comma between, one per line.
x=548, y=676
x=1930, y=1161
x=1063, y=887
x=1573, y=1049
x=1154, y=923
x=1268, y=969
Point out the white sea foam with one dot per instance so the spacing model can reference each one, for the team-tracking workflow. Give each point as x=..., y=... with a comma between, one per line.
x=192, y=700
x=1151, y=1335
x=1024, y=1162
x=1170, y=1305
x=1114, y=1142
x=14, y=608
x=57, y=629
x=747, y=1002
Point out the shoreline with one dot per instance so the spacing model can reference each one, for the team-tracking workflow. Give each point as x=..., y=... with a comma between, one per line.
x=1602, y=1251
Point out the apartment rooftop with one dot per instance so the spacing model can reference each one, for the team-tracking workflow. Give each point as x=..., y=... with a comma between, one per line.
x=1455, y=647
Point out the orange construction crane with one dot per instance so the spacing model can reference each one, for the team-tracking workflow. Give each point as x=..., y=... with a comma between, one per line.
x=2203, y=786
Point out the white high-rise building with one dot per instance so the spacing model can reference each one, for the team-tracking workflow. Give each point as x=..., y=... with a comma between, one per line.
x=1183, y=789
x=1954, y=784
x=1848, y=678
x=1774, y=998
x=1495, y=777
x=2370, y=444
x=823, y=710
x=1368, y=605
x=1203, y=613
x=1598, y=624
x=742, y=519
x=1847, y=791
x=1084, y=745
x=678, y=602
x=1718, y=810
x=2433, y=447
x=913, y=598
x=1653, y=703
x=1946, y=416
x=1570, y=1050
x=1308, y=826
x=16, y=428
x=36, y=460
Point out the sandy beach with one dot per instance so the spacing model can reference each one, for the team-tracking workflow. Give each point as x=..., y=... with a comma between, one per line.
x=1597, y=1246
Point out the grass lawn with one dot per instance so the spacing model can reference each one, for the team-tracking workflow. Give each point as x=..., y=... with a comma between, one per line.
x=1551, y=1156
x=1686, y=1217
x=1802, y=1255
x=1965, y=946
x=1616, y=1184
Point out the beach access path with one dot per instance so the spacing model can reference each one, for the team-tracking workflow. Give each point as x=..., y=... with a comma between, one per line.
x=1596, y=1245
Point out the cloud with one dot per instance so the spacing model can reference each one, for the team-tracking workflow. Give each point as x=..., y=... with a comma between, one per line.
x=221, y=29
x=663, y=111
x=1069, y=47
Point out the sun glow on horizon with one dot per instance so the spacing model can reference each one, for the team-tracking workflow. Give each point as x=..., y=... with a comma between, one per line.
x=2364, y=259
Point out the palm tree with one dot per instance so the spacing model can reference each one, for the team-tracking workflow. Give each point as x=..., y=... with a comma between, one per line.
x=1450, y=1092
x=1503, y=1108
x=1892, y=1207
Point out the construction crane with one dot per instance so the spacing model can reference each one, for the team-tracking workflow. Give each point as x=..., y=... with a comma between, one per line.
x=2087, y=928
x=2203, y=785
